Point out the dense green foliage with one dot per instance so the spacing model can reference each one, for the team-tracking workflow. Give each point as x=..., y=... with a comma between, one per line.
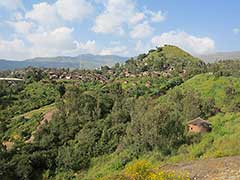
x=98, y=129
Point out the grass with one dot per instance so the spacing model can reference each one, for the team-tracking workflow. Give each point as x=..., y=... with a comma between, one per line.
x=210, y=86
x=173, y=53
x=222, y=141
x=107, y=164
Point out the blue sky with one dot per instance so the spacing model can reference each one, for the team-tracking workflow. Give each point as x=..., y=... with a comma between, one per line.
x=33, y=28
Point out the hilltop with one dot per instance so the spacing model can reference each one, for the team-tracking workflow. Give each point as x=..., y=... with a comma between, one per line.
x=123, y=121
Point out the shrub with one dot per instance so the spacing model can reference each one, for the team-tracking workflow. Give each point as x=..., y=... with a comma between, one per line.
x=143, y=170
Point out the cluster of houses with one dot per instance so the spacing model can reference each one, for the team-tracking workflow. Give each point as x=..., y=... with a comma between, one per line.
x=57, y=74
x=76, y=75
x=167, y=73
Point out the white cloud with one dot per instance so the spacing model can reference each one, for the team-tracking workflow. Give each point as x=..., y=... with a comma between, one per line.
x=52, y=43
x=59, y=42
x=236, y=30
x=88, y=47
x=193, y=44
x=14, y=49
x=120, y=14
x=45, y=15
x=157, y=16
x=137, y=18
x=118, y=50
x=115, y=14
x=18, y=16
x=11, y=4
x=56, y=43
x=106, y=23
x=51, y=16
x=22, y=27
x=44, y=30
x=142, y=47
x=74, y=9
x=142, y=30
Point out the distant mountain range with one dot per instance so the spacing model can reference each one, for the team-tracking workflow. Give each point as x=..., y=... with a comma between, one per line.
x=220, y=56
x=90, y=61
x=84, y=61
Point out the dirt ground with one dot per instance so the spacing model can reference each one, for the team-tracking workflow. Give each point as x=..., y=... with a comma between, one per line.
x=226, y=168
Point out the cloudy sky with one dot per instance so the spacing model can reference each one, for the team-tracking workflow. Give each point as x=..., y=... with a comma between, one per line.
x=33, y=28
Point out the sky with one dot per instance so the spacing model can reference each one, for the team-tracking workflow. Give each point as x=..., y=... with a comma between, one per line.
x=48, y=28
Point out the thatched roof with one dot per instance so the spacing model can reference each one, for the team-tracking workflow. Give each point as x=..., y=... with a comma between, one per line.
x=199, y=122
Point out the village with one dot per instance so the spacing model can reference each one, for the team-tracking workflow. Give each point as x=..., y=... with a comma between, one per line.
x=102, y=75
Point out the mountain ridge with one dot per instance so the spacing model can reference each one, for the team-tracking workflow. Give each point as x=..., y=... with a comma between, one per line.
x=82, y=61
x=210, y=58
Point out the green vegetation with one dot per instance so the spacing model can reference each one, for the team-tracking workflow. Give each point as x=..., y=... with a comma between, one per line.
x=108, y=130
x=23, y=125
x=222, y=141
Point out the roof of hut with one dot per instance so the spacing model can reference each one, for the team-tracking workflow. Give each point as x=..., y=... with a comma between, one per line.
x=199, y=121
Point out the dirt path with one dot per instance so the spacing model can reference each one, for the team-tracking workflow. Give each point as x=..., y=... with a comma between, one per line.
x=226, y=168
x=46, y=119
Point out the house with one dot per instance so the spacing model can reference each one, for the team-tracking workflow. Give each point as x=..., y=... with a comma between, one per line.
x=68, y=77
x=54, y=76
x=199, y=125
x=145, y=73
x=126, y=73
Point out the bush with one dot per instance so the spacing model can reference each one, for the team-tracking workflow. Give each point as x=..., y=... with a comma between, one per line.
x=143, y=170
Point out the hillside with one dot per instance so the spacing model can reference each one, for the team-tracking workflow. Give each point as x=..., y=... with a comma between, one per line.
x=84, y=61
x=124, y=127
x=204, y=95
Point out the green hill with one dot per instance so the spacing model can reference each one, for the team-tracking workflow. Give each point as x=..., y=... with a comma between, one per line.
x=173, y=52
x=169, y=59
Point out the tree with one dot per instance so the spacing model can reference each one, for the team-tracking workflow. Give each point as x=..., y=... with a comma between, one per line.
x=191, y=105
x=61, y=89
x=158, y=127
x=72, y=158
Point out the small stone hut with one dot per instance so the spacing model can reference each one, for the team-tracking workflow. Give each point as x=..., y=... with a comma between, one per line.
x=199, y=125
